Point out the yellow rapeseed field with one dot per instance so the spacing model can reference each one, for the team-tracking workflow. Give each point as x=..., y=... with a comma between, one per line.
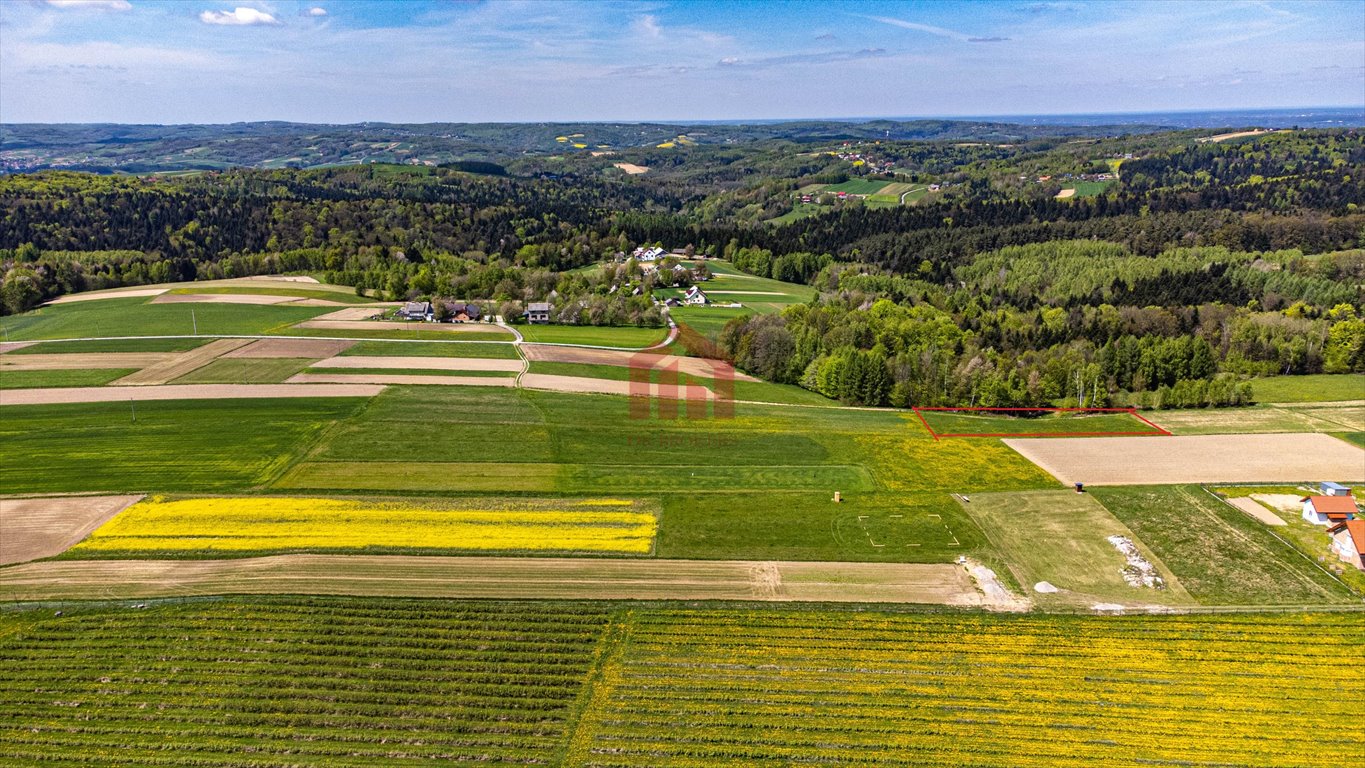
x=298, y=523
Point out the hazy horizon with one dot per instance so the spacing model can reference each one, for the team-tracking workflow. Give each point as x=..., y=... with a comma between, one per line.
x=419, y=61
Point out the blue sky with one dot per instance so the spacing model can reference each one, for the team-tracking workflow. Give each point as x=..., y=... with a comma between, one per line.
x=343, y=61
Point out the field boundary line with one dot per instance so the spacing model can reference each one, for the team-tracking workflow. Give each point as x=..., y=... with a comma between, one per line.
x=603, y=677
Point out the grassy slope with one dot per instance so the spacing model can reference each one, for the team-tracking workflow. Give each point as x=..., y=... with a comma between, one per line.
x=1220, y=555
x=954, y=422
x=137, y=317
x=626, y=336
x=1309, y=389
x=202, y=445
x=1261, y=418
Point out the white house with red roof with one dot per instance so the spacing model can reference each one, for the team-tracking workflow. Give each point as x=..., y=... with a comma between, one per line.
x=1348, y=541
x=1329, y=510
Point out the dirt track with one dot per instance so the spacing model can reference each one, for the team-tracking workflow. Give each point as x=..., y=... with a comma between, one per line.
x=178, y=365
x=689, y=365
x=43, y=527
x=83, y=361
x=300, y=347
x=422, y=363
x=401, y=378
x=495, y=577
x=183, y=392
x=1195, y=459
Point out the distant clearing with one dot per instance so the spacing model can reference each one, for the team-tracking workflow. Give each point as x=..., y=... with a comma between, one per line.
x=1194, y=459
x=43, y=527
x=1066, y=193
x=1237, y=135
x=495, y=577
x=631, y=168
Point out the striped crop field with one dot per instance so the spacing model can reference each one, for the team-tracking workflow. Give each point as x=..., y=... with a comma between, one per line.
x=293, y=683
x=707, y=688
x=226, y=525
x=297, y=682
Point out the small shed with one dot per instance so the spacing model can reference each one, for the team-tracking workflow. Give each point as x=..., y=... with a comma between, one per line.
x=1329, y=510
x=1334, y=489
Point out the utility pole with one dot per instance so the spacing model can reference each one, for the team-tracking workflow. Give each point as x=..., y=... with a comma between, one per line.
x=195, y=321
x=132, y=406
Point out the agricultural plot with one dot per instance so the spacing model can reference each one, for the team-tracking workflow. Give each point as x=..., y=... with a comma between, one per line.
x=491, y=350
x=1064, y=539
x=1307, y=417
x=295, y=682
x=31, y=528
x=579, y=578
x=245, y=370
x=971, y=422
x=174, y=367
x=1325, y=387
x=41, y=379
x=857, y=187
x=626, y=337
x=1219, y=554
x=237, y=526
x=137, y=317
x=113, y=346
x=1195, y=459
x=700, y=688
x=196, y=445
x=156, y=392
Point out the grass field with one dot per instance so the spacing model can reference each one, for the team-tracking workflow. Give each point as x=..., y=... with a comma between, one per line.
x=137, y=317
x=1061, y=537
x=183, y=344
x=601, y=336
x=1262, y=419
x=857, y=187
x=1309, y=389
x=757, y=391
x=798, y=211
x=1056, y=423
x=64, y=378
x=1088, y=188
x=419, y=349
x=203, y=445
x=415, y=332
x=266, y=289
x=245, y=370
x=237, y=526
x=1219, y=554
x=336, y=681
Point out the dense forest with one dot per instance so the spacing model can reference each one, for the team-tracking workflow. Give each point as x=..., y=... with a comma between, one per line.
x=1203, y=264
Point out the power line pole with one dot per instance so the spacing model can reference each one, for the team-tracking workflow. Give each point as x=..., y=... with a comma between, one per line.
x=195, y=321
x=132, y=406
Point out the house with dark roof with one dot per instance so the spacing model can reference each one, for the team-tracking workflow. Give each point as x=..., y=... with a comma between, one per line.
x=538, y=312
x=415, y=310
x=1348, y=541
x=1329, y=510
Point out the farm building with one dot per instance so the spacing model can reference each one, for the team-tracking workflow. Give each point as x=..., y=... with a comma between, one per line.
x=695, y=297
x=643, y=254
x=538, y=312
x=1334, y=489
x=415, y=310
x=1329, y=510
x=461, y=312
x=1348, y=541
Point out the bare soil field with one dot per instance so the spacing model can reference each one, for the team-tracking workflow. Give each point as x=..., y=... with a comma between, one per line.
x=43, y=527
x=689, y=365
x=10, y=346
x=284, y=278
x=496, y=577
x=1229, y=136
x=227, y=298
x=351, y=313
x=607, y=387
x=401, y=378
x=1066, y=193
x=184, y=392
x=295, y=348
x=79, y=361
x=1254, y=508
x=178, y=365
x=1286, y=503
x=117, y=293
x=631, y=168
x=1194, y=459
x=422, y=363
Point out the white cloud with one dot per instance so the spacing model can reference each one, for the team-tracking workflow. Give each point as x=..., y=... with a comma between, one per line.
x=316, y=11
x=239, y=17
x=647, y=26
x=103, y=5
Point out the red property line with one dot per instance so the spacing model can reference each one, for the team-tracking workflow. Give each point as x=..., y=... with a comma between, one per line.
x=1159, y=431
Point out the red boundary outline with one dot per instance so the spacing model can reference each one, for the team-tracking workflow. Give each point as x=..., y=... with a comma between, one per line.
x=1160, y=432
